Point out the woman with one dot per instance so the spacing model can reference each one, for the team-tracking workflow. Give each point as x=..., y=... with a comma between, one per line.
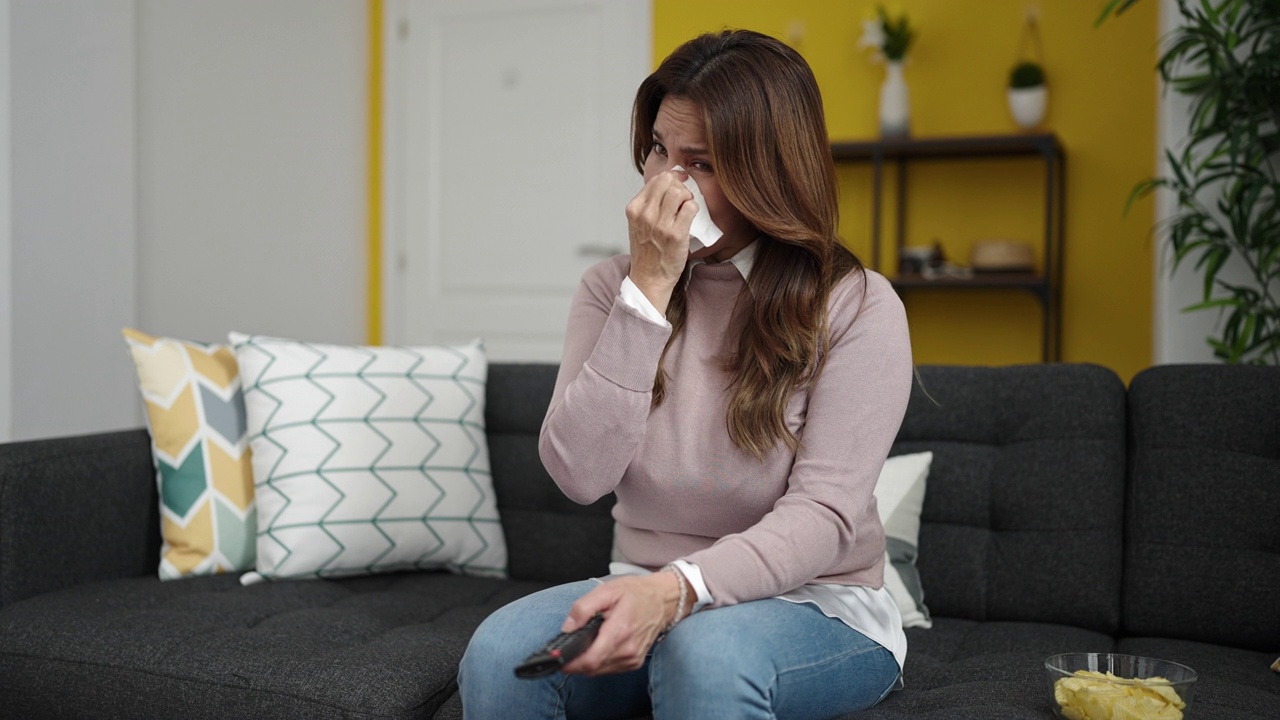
x=740, y=401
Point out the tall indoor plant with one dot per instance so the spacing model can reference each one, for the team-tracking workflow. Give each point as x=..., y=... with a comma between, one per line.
x=1226, y=58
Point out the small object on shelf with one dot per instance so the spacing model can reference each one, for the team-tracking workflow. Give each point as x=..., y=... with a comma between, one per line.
x=895, y=103
x=891, y=38
x=938, y=257
x=1001, y=256
x=948, y=271
x=912, y=260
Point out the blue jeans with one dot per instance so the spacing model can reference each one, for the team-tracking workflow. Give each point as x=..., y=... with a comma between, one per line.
x=763, y=659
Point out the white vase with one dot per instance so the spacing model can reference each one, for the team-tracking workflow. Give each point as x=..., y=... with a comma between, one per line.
x=895, y=102
x=1027, y=105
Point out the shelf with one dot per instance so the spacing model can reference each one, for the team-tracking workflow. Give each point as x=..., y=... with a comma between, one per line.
x=959, y=146
x=1045, y=285
x=979, y=281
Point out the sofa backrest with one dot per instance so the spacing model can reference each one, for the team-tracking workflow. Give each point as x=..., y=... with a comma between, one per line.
x=549, y=537
x=1024, y=503
x=1202, y=542
x=76, y=510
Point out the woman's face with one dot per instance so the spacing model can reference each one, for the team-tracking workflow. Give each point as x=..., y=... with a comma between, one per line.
x=679, y=138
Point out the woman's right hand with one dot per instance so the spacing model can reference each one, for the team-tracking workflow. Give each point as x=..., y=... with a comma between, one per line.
x=659, y=218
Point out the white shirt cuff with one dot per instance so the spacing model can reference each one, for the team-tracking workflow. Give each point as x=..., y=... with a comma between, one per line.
x=632, y=296
x=693, y=574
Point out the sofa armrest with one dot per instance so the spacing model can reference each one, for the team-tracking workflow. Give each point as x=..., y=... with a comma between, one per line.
x=76, y=510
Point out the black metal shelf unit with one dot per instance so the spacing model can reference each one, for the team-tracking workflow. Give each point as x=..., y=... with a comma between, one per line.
x=1046, y=286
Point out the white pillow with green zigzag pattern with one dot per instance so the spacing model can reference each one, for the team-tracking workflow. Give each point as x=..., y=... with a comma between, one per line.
x=369, y=459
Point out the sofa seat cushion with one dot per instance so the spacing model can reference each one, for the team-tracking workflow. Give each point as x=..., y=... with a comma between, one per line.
x=1233, y=683
x=963, y=669
x=370, y=647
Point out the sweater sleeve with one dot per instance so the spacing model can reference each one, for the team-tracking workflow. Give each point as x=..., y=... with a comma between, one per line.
x=604, y=389
x=826, y=521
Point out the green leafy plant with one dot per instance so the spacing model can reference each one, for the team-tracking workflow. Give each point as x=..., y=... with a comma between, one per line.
x=891, y=37
x=1226, y=58
x=1026, y=75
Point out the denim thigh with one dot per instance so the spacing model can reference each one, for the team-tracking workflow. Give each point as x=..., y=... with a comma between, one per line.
x=487, y=680
x=767, y=659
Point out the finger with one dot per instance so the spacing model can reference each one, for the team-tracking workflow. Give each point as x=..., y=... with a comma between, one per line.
x=673, y=199
x=600, y=653
x=663, y=183
x=617, y=659
x=600, y=599
x=686, y=213
x=593, y=660
x=646, y=206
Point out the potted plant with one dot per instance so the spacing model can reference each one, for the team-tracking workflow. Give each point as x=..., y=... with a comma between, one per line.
x=1226, y=175
x=1028, y=97
x=891, y=38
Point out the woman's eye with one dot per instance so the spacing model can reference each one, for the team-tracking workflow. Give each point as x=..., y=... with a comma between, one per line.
x=699, y=165
x=658, y=148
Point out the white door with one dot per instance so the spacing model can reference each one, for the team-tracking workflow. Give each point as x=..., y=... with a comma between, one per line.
x=508, y=163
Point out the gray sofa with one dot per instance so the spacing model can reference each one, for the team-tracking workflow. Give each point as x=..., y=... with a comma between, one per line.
x=1063, y=513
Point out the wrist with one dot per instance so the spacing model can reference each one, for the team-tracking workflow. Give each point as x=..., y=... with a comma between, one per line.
x=657, y=292
x=679, y=597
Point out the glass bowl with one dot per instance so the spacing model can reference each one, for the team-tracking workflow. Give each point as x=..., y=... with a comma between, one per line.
x=1107, y=686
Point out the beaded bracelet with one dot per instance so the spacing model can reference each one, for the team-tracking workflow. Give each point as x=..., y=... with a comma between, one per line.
x=684, y=595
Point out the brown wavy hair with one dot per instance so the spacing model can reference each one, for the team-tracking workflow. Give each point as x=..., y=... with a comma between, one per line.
x=767, y=137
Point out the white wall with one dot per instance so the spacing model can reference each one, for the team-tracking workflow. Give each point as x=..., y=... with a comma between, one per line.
x=6, y=224
x=185, y=168
x=72, y=263
x=252, y=133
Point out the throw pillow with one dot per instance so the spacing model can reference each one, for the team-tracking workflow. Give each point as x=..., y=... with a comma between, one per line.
x=195, y=413
x=369, y=459
x=900, y=499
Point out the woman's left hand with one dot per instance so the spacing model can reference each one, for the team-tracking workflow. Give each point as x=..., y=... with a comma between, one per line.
x=636, y=609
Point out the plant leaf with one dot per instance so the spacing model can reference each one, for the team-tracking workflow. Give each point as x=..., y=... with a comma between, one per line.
x=1210, y=304
x=1217, y=258
x=1114, y=6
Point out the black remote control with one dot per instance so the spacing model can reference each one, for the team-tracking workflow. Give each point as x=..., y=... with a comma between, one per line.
x=563, y=648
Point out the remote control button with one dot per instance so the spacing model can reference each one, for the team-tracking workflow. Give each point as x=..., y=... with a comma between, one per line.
x=555, y=653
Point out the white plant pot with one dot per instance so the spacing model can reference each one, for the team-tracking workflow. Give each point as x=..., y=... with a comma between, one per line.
x=1027, y=105
x=895, y=103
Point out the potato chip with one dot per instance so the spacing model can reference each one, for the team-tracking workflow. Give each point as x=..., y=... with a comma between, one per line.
x=1091, y=695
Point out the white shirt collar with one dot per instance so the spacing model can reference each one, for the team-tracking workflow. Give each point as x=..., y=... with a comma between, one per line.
x=743, y=260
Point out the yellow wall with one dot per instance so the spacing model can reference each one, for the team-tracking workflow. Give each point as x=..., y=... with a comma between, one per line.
x=1102, y=105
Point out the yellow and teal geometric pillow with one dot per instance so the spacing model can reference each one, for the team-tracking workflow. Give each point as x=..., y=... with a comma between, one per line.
x=195, y=412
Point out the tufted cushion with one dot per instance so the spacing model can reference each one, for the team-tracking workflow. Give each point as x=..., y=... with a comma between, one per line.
x=384, y=646
x=1233, y=683
x=1022, y=517
x=555, y=539
x=964, y=669
x=1205, y=566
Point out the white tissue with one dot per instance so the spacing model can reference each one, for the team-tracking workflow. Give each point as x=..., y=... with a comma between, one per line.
x=703, y=233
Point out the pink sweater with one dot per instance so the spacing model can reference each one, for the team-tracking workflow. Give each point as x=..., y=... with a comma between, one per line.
x=755, y=529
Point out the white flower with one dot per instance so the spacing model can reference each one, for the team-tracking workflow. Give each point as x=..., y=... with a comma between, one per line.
x=872, y=34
